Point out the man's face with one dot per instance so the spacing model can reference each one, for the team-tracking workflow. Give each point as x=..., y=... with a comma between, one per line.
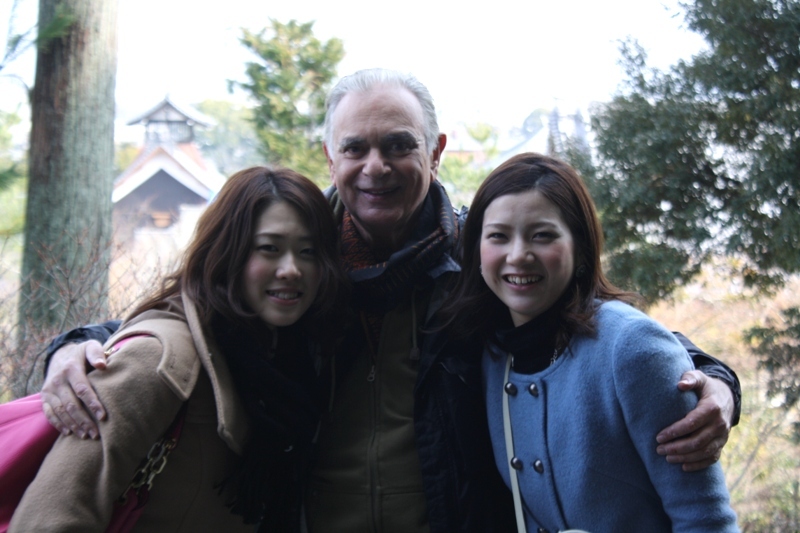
x=379, y=162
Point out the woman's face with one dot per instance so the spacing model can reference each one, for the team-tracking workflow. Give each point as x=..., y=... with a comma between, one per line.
x=282, y=275
x=527, y=253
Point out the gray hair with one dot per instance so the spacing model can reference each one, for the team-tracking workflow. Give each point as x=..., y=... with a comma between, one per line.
x=365, y=80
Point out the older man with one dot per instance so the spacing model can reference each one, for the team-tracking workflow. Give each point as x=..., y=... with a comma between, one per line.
x=404, y=445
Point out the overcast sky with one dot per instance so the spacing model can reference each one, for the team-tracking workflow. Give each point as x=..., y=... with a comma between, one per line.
x=491, y=62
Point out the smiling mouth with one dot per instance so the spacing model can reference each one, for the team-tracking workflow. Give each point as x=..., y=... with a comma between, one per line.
x=284, y=295
x=379, y=192
x=522, y=280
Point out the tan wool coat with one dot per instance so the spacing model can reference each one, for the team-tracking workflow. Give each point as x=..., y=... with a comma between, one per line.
x=142, y=389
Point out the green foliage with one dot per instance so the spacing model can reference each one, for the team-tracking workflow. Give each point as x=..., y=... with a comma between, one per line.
x=231, y=143
x=289, y=83
x=706, y=157
x=778, y=348
x=58, y=26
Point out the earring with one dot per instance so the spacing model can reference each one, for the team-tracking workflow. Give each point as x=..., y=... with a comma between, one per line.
x=581, y=271
x=480, y=269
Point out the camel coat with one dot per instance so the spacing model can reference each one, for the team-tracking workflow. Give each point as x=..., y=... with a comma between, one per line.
x=145, y=384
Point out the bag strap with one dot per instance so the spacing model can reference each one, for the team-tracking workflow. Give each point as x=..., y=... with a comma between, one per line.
x=512, y=473
x=130, y=505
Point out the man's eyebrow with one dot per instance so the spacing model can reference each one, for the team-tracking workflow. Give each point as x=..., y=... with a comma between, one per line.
x=402, y=136
x=349, y=141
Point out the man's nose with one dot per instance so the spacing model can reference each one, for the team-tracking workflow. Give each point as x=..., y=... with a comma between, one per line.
x=376, y=165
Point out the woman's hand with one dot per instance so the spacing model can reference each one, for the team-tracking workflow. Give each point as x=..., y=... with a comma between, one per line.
x=698, y=438
x=68, y=399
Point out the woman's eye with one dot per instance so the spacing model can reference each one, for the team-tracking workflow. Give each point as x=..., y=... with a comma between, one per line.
x=267, y=248
x=495, y=236
x=310, y=252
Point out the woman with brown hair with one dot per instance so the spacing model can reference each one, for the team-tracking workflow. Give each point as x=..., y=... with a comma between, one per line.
x=238, y=334
x=577, y=382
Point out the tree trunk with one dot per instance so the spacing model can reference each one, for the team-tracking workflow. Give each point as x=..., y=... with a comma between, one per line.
x=68, y=217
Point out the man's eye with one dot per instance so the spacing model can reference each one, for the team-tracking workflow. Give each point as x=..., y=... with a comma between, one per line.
x=401, y=147
x=353, y=150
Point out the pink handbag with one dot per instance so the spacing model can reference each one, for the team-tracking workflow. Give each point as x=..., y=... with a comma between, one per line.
x=26, y=437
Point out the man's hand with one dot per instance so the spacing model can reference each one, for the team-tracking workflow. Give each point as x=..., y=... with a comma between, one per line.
x=697, y=439
x=67, y=396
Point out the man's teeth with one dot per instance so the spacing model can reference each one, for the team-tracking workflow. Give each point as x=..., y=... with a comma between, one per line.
x=523, y=280
x=284, y=295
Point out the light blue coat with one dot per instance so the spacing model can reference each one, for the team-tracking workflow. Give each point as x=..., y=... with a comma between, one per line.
x=593, y=426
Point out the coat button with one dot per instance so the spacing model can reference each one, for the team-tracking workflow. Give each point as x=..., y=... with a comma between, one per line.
x=538, y=466
x=542, y=530
x=516, y=463
x=510, y=389
x=533, y=389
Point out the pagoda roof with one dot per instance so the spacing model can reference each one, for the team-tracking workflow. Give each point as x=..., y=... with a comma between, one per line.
x=182, y=162
x=169, y=111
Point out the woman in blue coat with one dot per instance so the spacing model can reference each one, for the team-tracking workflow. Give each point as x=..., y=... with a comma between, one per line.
x=566, y=358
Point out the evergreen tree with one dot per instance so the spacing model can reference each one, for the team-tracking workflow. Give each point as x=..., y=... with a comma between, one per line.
x=289, y=83
x=706, y=157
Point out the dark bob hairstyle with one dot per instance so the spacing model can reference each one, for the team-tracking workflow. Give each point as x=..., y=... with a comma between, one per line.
x=472, y=306
x=212, y=269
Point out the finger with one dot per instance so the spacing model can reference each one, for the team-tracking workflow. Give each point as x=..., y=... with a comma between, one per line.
x=84, y=398
x=691, y=380
x=698, y=460
x=706, y=414
x=58, y=405
x=85, y=392
x=95, y=355
x=86, y=427
x=684, y=427
x=698, y=465
x=54, y=420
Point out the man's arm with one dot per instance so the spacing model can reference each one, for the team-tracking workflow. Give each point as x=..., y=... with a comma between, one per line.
x=67, y=396
x=697, y=439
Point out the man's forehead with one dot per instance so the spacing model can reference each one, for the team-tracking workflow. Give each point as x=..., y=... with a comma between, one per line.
x=386, y=109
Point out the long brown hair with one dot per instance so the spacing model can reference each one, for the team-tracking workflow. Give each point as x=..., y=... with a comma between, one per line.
x=213, y=264
x=472, y=305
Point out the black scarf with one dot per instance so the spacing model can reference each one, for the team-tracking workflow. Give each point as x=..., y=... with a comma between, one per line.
x=278, y=389
x=533, y=343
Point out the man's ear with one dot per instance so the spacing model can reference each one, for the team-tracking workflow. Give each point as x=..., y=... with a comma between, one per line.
x=329, y=159
x=436, y=155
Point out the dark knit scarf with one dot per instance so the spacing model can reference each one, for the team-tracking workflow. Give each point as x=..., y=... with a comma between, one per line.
x=278, y=389
x=532, y=343
x=379, y=286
